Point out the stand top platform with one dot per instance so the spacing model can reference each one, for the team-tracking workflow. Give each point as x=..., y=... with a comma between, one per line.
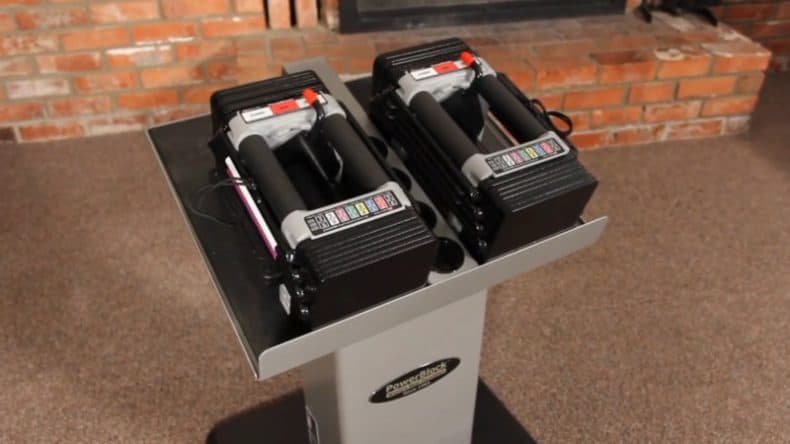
x=236, y=261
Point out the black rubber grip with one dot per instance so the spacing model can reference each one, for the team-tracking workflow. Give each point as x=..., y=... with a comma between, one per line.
x=358, y=162
x=521, y=123
x=269, y=176
x=443, y=128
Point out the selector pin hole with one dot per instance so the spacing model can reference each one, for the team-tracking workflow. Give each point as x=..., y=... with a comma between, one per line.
x=427, y=214
x=403, y=178
x=450, y=256
x=381, y=147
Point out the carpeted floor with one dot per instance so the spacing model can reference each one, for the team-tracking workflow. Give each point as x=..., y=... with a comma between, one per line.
x=674, y=328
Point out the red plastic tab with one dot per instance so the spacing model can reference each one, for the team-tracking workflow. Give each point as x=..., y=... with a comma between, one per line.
x=284, y=107
x=468, y=58
x=310, y=95
x=444, y=67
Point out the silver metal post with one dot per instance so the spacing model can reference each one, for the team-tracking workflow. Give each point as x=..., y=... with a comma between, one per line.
x=440, y=410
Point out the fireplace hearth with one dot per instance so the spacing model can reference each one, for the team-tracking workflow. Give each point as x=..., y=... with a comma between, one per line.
x=376, y=15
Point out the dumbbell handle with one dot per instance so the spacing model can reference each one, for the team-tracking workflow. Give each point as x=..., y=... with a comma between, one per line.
x=443, y=128
x=269, y=176
x=521, y=123
x=358, y=162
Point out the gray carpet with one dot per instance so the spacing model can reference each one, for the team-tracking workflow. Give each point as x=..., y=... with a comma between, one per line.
x=674, y=328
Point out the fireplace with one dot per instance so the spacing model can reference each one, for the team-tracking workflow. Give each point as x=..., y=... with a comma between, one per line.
x=374, y=15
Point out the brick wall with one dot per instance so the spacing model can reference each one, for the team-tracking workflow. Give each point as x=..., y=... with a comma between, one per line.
x=77, y=67
x=765, y=21
x=71, y=68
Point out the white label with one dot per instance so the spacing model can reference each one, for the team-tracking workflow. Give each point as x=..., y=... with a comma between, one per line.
x=423, y=73
x=251, y=115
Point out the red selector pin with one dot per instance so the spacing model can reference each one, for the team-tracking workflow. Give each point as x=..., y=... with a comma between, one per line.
x=310, y=95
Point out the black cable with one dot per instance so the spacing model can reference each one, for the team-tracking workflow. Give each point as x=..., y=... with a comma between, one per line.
x=547, y=117
x=195, y=204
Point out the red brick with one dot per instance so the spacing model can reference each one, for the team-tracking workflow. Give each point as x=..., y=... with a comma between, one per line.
x=51, y=131
x=651, y=92
x=19, y=2
x=564, y=49
x=11, y=112
x=784, y=11
x=282, y=48
x=252, y=6
x=694, y=129
x=69, y=62
x=17, y=66
x=7, y=22
x=76, y=106
x=778, y=46
x=221, y=70
x=192, y=8
x=637, y=135
x=519, y=72
x=279, y=13
x=616, y=116
x=594, y=98
x=361, y=65
x=707, y=87
x=110, y=81
x=170, y=76
x=127, y=11
x=163, y=31
x=306, y=12
x=205, y=50
x=201, y=94
x=94, y=38
x=750, y=83
x=594, y=139
x=729, y=105
x=770, y=29
x=117, y=124
x=139, y=56
x=628, y=41
x=22, y=89
x=626, y=66
x=550, y=100
x=580, y=119
x=738, y=56
x=51, y=18
x=682, y=63
x=233, y=26
x=148, y=99
x=27, y=44
x=563, y=73
x=671, y=111
x=741, y=63
x=749, y=11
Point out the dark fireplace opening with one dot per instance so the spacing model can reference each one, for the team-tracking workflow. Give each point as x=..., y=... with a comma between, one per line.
x=376, y=15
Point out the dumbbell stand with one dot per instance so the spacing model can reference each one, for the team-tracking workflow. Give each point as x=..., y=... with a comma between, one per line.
x=343, y=363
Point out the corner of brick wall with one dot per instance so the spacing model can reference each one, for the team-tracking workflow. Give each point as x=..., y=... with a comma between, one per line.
x=765, y=21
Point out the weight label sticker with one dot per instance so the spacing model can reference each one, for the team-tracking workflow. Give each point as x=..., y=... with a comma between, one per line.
x=526, y=155
x=437, y=69
x=352, y=212
x=277, y=109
